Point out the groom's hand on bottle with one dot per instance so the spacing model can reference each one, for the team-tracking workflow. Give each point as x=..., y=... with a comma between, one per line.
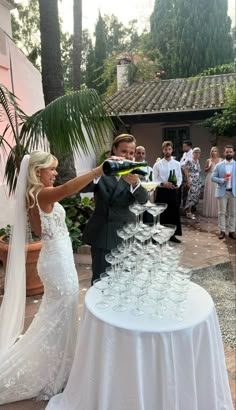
x=131, y=179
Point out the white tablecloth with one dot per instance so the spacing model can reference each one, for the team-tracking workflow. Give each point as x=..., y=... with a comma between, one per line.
x=123, y=362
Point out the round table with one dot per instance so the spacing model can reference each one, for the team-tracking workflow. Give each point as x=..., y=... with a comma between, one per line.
x=125, y=362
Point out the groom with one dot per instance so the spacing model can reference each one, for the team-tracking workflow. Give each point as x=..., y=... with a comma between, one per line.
x=224, y=175
x=113, y=195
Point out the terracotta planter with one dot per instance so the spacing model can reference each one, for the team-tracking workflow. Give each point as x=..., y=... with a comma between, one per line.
x=34, y=285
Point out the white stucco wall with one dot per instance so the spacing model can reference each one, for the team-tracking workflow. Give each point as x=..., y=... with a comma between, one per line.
x=28, y=89
x=5, y=17
x=150, y=136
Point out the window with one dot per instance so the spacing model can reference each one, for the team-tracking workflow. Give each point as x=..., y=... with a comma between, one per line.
x=176, y=135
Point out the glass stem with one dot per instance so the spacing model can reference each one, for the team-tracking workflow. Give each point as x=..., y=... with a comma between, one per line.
x=141, y=218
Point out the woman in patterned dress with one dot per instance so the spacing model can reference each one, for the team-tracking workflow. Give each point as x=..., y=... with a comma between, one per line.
x=192, y=172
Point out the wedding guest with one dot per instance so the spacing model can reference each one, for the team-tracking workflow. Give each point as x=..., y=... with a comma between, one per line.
x=224, y=175
x=112, y=195
x=38, y=364
x=187, y=156
x=192, y=172
x=167, y=192
x=140, y=156
x=209, y=206
x=187, y=153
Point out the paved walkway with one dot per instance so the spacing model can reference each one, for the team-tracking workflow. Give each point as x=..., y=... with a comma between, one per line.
x=203, y=249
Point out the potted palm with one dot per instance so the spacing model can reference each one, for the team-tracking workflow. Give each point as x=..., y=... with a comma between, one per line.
x=65, y=123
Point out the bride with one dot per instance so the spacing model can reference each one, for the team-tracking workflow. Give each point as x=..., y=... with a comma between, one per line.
x=37, y=364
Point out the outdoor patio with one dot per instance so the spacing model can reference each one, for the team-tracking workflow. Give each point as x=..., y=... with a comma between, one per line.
x=214, y=264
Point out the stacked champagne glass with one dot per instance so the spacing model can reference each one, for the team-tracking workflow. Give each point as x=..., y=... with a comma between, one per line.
x=145, y=276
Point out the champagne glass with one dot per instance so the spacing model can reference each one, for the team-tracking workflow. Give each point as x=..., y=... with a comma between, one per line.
x=149, y=186
x=101, y=286
x=139, y=291
x=156, y=211
x=138, y=210
x=157, y=294
x=108, y=279
x=162, y=207
x=120, y=306
x=177, y=298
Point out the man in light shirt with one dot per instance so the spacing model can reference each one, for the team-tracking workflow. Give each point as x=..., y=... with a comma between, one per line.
x=188, y=153
x=187, y=156
x=140, y=156
x=167, y=192
x=224, y=175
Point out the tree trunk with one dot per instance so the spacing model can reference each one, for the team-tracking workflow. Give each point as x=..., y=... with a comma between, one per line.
x=77, y=44
x=52, y=77
x=52, y=74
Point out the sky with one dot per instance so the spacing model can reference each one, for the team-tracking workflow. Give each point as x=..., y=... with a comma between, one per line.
x=125, y=10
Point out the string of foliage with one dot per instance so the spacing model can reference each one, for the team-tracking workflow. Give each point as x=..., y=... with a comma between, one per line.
x=224, y=123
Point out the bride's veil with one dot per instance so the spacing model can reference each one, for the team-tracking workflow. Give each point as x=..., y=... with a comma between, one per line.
x=12, y=311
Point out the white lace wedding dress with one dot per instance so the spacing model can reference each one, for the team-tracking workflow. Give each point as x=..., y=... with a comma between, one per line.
x=39, y=363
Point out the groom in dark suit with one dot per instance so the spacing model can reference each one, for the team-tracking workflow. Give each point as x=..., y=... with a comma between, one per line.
x=113, y=195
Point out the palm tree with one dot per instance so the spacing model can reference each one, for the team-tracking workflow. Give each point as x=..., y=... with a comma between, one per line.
x=63, y=123
x=52, y=73
x=77, y=44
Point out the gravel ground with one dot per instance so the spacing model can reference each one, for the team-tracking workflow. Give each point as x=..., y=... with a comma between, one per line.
x=219, y=282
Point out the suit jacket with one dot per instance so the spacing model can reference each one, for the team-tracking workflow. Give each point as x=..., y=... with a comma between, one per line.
x=218, y=176
x=111, y=212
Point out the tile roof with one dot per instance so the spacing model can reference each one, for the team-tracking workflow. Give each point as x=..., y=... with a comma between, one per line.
x=166, y=96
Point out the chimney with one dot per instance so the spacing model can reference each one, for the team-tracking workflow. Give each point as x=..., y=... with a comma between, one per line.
x=122, y=76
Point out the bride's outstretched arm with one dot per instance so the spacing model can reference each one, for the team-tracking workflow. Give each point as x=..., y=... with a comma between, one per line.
x=49, y=195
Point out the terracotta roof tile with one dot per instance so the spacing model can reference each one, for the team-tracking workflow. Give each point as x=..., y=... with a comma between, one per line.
x=181, y=94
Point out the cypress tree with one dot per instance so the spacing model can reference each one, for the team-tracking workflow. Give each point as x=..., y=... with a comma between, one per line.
x=202, y=36
x=90, y=66
x=191, y=35
x=162, y=33
x=100, y=52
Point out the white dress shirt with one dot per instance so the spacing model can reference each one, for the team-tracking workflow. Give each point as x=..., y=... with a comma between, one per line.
x=186, y=157
x=162, y=168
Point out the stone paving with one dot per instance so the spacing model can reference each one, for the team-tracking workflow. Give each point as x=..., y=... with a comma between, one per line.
x=204, y=251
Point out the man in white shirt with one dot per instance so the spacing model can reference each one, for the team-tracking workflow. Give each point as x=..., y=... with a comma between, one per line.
x=167, y=192
x=224, y=175
x=140, y=156
x=187, y=155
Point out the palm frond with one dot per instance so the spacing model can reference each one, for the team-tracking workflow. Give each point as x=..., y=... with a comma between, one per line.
x=10, y=111
x=13, y=166
x=66, y=122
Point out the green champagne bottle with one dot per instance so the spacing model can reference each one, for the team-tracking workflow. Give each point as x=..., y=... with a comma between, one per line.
x=123, y=167
x=170, y=176
x=174, y=178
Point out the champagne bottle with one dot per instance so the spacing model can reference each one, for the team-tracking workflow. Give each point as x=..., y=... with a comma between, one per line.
x=174, y=178
x=170, y=176
x=123, y=167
